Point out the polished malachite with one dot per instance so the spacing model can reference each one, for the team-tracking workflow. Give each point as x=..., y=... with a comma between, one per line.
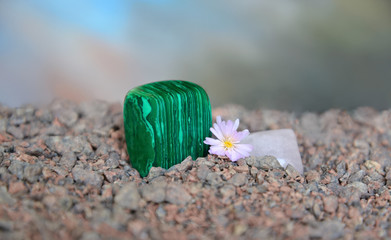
x=165, y=122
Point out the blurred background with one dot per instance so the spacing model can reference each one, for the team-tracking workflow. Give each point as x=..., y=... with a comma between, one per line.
x=288, y=55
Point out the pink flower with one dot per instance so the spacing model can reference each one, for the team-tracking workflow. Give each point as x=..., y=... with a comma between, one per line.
x=228, y=138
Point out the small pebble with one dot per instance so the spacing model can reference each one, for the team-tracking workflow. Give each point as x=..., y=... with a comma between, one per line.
x=239, y=179
x=128, y=197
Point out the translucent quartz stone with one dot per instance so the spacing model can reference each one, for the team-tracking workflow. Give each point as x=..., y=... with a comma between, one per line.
x=165, y=122
x=281, y=144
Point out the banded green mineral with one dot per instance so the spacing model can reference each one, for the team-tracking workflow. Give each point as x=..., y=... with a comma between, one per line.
x=165, y=122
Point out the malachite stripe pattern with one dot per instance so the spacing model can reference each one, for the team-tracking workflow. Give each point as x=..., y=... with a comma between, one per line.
x=165, y=122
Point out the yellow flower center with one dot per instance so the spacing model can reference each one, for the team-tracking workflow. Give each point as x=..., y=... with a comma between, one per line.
x=228, y=144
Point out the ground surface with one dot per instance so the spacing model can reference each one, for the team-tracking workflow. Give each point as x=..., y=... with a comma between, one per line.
x=64, y=174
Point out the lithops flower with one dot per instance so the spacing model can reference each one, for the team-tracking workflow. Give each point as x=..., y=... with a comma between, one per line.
x=228, y=140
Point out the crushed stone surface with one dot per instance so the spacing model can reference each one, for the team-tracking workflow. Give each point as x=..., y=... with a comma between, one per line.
x=65, y=174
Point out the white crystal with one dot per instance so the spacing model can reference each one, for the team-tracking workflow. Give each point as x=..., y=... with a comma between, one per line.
x=281, y=144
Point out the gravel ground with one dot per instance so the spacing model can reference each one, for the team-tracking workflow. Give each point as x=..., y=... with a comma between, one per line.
x=64, y=173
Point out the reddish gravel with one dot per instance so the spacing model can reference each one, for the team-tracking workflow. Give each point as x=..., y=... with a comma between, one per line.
x=64, y=173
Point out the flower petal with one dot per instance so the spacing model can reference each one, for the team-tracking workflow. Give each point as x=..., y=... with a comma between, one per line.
x=218, y=119
x=212, y=141
x=243, y=149
x=218, y=150
x=222, y=126
x=217, y=132
x=238, y=136
x=236, y=125
x=228, y=129
x=229, y=154
x=233, y=155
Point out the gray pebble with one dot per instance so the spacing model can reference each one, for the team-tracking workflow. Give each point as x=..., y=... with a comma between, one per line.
x=155, y=172
x=94, y=110
x=264, y=163
x=388, y=174
x=353, y=192
x=214, y=179
x=3, y=124
x=160, y=212
x=6, y=225
x=90, y=236
x=5, y=197
x=5, y=176
x=127, y=168
x=154, y=192
x=330, y=203
x=131, y=171
x=45, y=115
x=35, y=150
x=68, y=117
x=54, y=130
x=32, y=172
x=291, y=171
x=103, y=149
x=62, y=145
x=87, y=177
x=336, y=188
x=341, y=169
x=204, y=161
x=328, y=230
x=160, y=179
x=177, y=194
x=22, y=115
x=316, y=210
x=375, y=176
x=203, y=171
x=185, y=165
x=113, y=161
x=94, y=140
x=59, y=170
x=344, y=178
x=260, y=179
x=254, y=172
x=239, y=179
x=122, y=162
x=68, y=160
x=315, y=160
x=16, y=168
x=128, y=196
x=228, y=191
x=16, y=132
x=360, y=186
x=388, y=177
x=66, y=203
x=313, y=186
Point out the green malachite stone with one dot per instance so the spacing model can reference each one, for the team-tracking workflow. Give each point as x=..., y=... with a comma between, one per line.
x=165, y=122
